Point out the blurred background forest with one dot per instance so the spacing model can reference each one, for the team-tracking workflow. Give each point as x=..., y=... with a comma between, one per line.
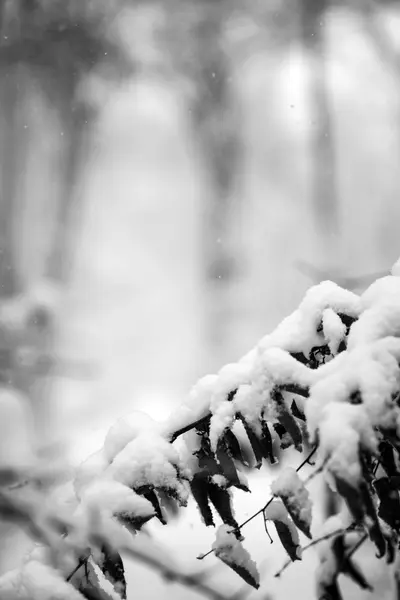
x=174, y=174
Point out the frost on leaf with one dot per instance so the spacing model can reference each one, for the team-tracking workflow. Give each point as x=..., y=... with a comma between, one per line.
x=294, y=495
x=228, y=549
x=285, y=528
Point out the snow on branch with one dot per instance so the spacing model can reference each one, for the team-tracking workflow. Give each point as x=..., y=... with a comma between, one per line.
x=326, y=380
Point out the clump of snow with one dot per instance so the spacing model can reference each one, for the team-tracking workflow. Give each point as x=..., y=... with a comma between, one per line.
x=116, y=498
x=343, y=431
x=196, y=406
x=150, y=460
x=94, y=466
x=334, y=329
x=298, y=332
x=220, y=481
x=125, y=430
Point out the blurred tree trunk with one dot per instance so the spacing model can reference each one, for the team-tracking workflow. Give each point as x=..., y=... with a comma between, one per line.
x=324, y=191
x=218, y=129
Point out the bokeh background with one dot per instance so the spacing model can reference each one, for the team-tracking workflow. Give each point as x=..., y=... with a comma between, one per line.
x=174, y=174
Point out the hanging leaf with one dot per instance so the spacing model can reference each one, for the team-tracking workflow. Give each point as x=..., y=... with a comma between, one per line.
x=205, y=455
x=286, y=440
x=169, y=503
x=151, y=496
x=387, y=459
x=221, y=500
x=374, y=528
x=254, y=442
x=112, y=567
x=266, y=443
x=228, y=466
x=287, y=420
x=228, y=549
x=234, y=447
x=294, y=495
x=285, y=528
x=199, y=489
x=87, y=582
x=389, y=506
x=296, y=412
x=351, y=496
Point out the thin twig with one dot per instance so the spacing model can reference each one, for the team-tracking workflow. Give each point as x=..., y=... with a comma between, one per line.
x=80, y=564
x=314, y=542
x=261, y=510
x=356, y=546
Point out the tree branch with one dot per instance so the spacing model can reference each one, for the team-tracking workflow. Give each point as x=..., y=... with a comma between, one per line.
x=292, y=388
